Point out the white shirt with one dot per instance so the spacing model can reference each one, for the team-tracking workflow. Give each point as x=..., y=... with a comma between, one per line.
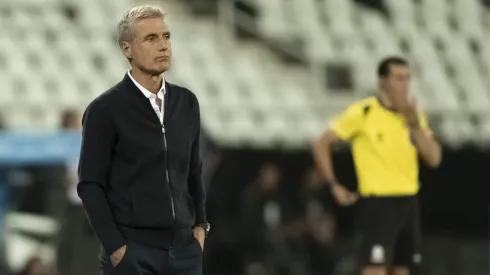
x=152, y=97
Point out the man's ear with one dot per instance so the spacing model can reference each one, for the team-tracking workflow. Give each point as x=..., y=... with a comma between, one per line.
x=126, y=49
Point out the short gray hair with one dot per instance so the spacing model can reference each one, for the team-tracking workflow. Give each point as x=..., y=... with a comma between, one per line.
x=133, y=15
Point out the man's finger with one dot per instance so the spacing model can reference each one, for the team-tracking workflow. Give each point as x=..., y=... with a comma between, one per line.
x=352, y=198
x=341, y=200
x=347, y=200
x=348, y=203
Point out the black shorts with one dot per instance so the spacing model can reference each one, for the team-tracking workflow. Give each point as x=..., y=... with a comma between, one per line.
x=390, y=229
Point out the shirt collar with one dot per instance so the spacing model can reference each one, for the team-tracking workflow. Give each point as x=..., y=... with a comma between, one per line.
x=147, y=93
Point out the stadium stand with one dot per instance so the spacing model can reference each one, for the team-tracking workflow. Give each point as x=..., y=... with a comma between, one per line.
x=249, y=95
x=447, y=51
x=299, y=63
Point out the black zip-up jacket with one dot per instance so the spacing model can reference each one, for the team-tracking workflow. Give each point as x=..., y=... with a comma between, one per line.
x=124, y=161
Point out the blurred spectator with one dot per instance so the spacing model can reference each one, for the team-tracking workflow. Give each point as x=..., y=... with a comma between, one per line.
x=267, y=242
x=4, y=192
x=35, y=266
x=211, y=157
x=77, y=243
x=71, y=120
x=261, y=206
x=318, y=208
x=2, y=123
x=45, y=195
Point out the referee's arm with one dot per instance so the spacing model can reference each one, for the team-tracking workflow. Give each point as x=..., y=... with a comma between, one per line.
x=342, y=128
x=323, y=157
x=427, y=146
x=322, y=154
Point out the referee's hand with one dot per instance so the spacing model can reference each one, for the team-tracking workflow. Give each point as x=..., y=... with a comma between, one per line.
x=344, y=196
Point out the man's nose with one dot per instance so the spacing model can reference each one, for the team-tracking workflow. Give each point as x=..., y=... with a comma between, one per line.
x=163, y=45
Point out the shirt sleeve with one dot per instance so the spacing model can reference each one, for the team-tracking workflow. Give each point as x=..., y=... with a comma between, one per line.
x=348, y=124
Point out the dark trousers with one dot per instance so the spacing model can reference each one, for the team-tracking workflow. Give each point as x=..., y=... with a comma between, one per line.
x=185, y=259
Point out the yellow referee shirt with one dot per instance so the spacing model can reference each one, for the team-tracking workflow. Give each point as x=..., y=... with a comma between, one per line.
x=386, y=160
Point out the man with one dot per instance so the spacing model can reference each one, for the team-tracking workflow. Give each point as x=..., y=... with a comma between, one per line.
x=316, y=204
x=387, y=134
x=269, y=226
x=140, y=169
x=262, y=215
x=76, y=244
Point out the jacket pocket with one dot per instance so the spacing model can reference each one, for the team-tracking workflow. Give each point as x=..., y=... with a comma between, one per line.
x=152, y=207
x=185, y=210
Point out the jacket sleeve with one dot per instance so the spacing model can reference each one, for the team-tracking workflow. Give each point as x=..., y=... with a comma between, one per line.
x=98, y=137
x=195, y=183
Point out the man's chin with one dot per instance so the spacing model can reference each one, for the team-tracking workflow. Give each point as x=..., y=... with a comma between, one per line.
x=163, y=68
x=158, y=70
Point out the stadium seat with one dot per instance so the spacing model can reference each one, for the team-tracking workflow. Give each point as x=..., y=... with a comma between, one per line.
x=6, y=98
x=340, y=15
x=403, y=13
x=435, y=14
x=468, y=14
x=484, y=130
x=377, y=30
x=444, y=94
x=76, y=57
x=362, y=64
x=271, y=20
x=22, y=231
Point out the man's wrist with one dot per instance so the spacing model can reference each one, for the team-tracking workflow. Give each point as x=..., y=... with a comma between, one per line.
x=413, y=124
x=332, y=182
x=412, y=120
x=205, y=226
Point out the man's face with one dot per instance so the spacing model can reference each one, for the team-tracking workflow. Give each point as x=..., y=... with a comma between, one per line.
x=72, y=122
x=397, y=84
x=313, y=181
x=38, y=268
x=269, y=177
x=150, y=48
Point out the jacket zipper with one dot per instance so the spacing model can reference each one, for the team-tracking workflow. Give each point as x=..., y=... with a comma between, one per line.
x=166, y=174
x=165, y=100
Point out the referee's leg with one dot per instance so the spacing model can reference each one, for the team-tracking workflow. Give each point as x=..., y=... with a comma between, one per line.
x=407, y=255
x=376, y=256
x=379, y=229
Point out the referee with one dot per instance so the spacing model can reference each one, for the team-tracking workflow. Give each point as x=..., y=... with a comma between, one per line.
x=388, y=134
